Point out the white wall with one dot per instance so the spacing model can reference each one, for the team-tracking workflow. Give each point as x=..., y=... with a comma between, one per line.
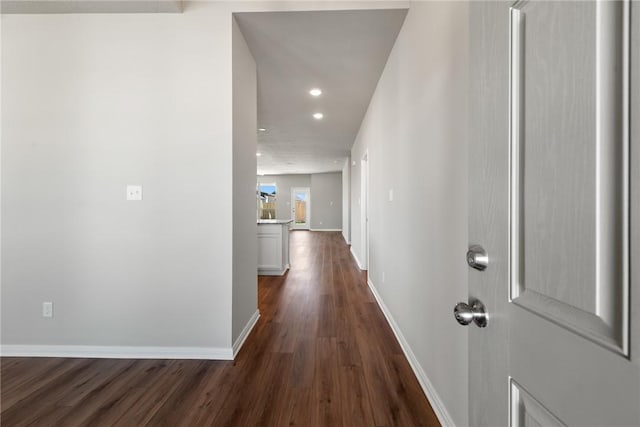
x=245, y=123
x=326, y=204
x=326, y=197
x=1, y=134
x=92, y=103
x=415, y=135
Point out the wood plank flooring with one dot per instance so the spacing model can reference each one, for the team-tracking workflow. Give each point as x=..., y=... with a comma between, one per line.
x=322, y=354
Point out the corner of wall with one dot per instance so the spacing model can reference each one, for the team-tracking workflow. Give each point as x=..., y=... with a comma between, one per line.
x=245, y=259
x=242, y=337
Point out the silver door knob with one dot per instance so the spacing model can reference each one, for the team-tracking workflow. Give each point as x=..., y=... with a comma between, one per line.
x=465, y=314
x=477, y=258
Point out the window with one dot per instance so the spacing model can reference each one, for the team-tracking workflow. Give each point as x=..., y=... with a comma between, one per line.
x=266, y=201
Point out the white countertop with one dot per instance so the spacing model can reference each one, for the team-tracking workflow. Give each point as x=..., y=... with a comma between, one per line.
x=274, y=221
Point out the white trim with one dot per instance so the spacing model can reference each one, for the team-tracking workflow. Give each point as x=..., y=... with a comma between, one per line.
x=356, y=258
x=434, y=399
x=325, y=229
x=307, y=224
x=116, y=352
x=245, y=333
x=273, y=271
x=345, y=238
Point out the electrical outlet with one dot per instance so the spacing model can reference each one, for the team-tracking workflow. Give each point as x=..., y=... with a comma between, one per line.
x=47, y=309
x=134, y=192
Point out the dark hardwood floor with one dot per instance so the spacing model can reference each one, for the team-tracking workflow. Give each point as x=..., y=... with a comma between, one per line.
x=322, y=354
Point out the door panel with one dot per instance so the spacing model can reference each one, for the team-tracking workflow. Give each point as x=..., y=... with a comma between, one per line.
x=526, y=411
x=553, y=203
x=569, y=166
x=556, y=168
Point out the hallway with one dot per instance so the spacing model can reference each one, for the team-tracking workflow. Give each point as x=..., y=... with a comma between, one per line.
x=340, y=363
x=321, y=355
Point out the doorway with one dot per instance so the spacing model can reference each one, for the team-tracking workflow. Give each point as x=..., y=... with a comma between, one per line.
x=364, y=209
x=301, y=208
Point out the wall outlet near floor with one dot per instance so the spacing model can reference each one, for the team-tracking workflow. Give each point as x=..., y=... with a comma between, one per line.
x=47, y=309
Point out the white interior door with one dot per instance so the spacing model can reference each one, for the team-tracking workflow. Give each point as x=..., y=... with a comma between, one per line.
x=301, y=207
x=555, y=202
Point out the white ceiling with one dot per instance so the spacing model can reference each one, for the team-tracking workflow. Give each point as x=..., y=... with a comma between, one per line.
x=341, y=52
x=90, y=6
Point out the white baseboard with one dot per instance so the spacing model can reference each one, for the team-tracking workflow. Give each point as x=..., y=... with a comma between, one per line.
x=325, y=229
x=245, y=333
x=436, y=402
x=356, y=258
x=116, y=352
x=273, y=271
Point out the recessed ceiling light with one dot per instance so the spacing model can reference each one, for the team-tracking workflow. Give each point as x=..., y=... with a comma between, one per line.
x=315, y=92
x=318, y=116
x=262, y=130
x=258, y=154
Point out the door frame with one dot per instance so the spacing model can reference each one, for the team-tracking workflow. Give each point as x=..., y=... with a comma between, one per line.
x=364, y=209
x=307, y=224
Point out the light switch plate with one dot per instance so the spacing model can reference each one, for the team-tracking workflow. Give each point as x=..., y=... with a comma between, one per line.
x=47, y=309
x=134, y=192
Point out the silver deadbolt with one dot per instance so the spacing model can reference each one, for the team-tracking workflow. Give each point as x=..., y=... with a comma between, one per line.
x=477, y=257
x=465, y=314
